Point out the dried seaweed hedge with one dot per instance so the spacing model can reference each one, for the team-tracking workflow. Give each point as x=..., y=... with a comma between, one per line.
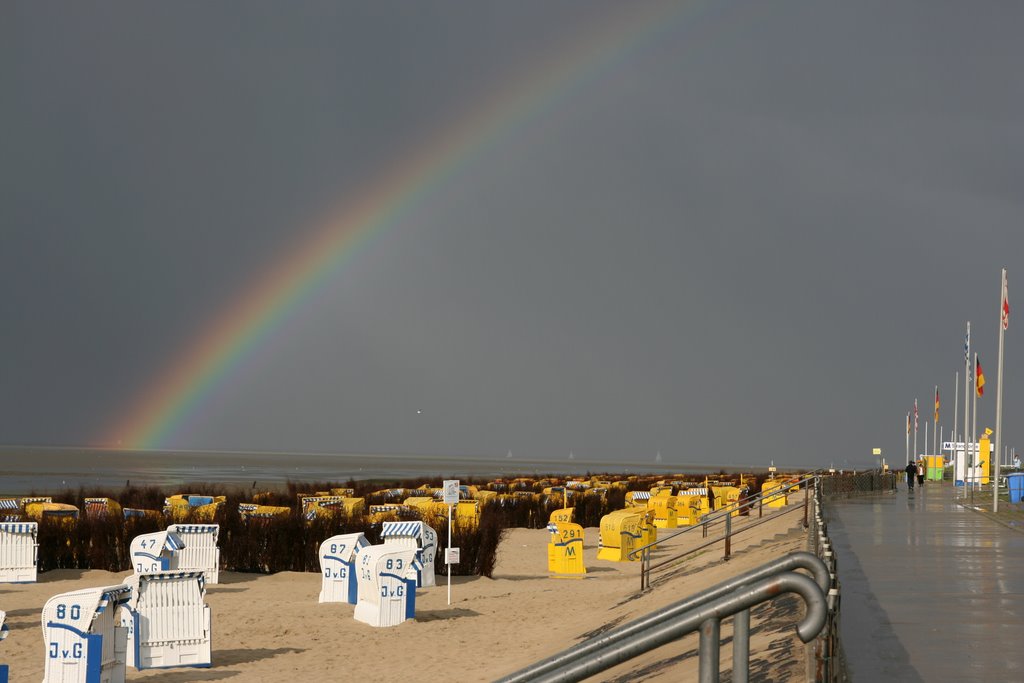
x=291, y=543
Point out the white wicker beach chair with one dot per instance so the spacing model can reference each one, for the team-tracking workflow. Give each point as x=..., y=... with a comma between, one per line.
x=387, y=584
x=417, y=535
x=337, y=565
x=19, y=552
x=82, y=636
x=168, y=621
x=200, y=552
x=155, y=552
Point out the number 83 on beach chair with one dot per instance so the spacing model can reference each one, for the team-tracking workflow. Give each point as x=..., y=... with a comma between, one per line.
x=387, y=585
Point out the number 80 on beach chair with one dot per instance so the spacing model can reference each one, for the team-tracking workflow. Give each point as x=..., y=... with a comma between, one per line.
x=84, y=642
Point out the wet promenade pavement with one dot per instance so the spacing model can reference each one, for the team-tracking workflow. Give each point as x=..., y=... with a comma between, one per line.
x=930, y=591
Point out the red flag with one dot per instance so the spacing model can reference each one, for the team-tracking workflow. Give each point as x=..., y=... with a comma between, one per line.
x=979, y=378
x=1006, y=304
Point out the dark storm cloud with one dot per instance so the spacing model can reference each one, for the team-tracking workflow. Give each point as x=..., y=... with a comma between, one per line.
x=757, y=237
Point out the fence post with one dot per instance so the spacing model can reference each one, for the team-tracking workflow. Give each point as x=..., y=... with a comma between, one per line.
x=741, y=647
x=710, y=641
x=728, y=535
x=807, y=498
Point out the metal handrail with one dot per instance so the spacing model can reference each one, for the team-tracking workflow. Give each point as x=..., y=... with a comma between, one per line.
x=704, y=612
x=724, y=512
x=708, y=520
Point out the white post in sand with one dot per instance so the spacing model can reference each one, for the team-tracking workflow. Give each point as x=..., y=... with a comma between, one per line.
x=448, y=554
x=451, y=497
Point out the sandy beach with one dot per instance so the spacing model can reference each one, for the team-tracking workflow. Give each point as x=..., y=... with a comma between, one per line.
x=271, y=628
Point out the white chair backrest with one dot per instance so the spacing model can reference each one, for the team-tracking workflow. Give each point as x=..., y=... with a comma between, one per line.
x=387, y=584
x=168, y=620
x=18, y=552
x=83, y=639
x=337, y=565
x=417, y=535
x=151, y=553
x=200, y=552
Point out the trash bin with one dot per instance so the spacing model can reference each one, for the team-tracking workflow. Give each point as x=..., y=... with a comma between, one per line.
x=1015, y=482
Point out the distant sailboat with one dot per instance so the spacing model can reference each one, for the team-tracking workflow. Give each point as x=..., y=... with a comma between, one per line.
x=509, y=454
x=657, y=458
x=571, y=456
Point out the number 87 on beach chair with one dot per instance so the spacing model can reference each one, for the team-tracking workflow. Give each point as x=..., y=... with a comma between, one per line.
x=337, y=565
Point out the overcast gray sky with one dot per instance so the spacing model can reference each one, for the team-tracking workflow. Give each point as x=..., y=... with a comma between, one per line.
x=755, y=234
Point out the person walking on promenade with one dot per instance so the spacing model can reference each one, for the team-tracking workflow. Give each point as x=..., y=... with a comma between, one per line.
x=911, y=470
x=920, y=472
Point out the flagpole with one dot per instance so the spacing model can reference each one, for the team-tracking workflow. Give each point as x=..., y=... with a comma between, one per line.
x=956, y=410
x=925, y=438
x=935, y=424
x=1004, y=314
x=967, y=409
x=908, y=438
x=915, y=429
x=974, y=425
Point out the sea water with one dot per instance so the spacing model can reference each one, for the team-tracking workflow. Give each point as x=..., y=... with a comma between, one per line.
x=46, y=470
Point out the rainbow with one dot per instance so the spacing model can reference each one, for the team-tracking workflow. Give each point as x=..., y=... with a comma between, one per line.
x=178, y=392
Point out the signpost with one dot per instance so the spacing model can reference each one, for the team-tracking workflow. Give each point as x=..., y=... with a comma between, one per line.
x=451, y=498
x=878, y=452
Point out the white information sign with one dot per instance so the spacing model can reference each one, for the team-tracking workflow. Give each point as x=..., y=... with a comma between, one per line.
x=451, y=555
x=451, y=491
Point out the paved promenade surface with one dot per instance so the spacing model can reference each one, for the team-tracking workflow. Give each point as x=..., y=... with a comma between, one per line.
x=930, y=591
